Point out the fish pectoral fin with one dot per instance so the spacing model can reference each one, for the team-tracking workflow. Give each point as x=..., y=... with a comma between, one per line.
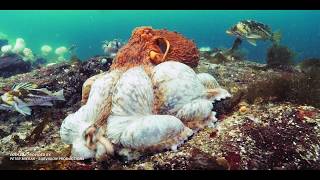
x=254, y=36
x=229, y=32
x=252, y=42
x=24, y=110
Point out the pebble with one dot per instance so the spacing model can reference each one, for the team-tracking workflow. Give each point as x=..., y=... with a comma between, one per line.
x=243, y=109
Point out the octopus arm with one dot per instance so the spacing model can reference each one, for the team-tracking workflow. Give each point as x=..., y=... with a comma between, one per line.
x=208, y=81
x=74, y=125
x=133, y=94
x=80, y=150
x=86, y=87
x=177, y=84
x=150, y=132
x=132, y=124
x=217, y=94
x=196, y=114
x=213, y=90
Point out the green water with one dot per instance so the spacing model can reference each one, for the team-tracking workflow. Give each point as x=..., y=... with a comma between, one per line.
x=87, y=28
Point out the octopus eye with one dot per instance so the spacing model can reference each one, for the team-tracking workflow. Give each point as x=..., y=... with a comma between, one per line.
x=162, y=44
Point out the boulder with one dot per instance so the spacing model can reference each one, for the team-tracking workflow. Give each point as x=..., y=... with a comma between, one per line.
x=13, y=64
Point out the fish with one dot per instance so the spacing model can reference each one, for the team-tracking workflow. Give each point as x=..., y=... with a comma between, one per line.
x=37, y=100
x=22, y=96
x=252, y=31
x=111, y=47
x=17, y=105
x=72, y=48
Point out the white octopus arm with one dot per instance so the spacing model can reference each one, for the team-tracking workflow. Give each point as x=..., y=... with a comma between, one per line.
x=208, y=81
x=132, y=124
x=150, y=131
x=74, y=125
x=86, y=87
x=187, y=95
x=214, y=91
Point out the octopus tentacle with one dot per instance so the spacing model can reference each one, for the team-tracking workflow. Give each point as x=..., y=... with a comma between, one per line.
x=217, y=94
x=86, y=87
x=79, y=128
x=147, y=133
x=208, y=81
x=196, y=114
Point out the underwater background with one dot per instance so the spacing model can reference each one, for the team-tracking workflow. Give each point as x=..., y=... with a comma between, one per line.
x=88, y=28
x=224, y=111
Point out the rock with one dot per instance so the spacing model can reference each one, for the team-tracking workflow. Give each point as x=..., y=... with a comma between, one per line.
x=3, y=42
x=12, y=65
x=3, y=133
x=95, y=64
x=200, y=160
x=40, y=61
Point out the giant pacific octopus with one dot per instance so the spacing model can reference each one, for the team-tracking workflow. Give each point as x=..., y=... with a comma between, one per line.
x=150, y=100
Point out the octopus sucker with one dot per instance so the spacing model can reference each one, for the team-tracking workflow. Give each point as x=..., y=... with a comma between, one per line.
x=150, y=100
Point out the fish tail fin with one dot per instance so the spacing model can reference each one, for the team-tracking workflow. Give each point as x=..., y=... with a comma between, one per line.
x=276, y=37
x=59, y=95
